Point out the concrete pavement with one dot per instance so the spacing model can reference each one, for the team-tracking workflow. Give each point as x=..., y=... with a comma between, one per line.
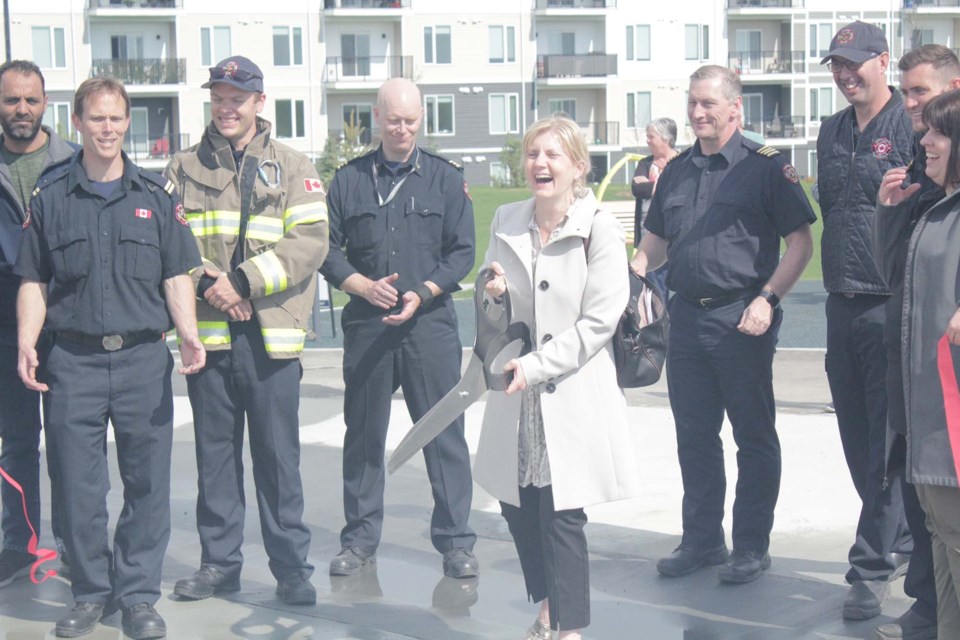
x=407, y=596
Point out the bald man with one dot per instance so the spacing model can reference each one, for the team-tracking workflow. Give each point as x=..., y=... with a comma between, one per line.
x=401, y=239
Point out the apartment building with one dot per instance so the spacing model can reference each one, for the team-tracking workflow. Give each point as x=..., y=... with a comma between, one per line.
x=486, y=71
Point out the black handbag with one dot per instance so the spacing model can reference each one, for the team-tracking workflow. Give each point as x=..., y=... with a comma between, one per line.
x=640, y=342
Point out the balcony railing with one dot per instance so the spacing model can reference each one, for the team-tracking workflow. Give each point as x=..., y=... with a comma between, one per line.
x=913, y=4
x=366, y=4
x=765, y=4
x=576, y=4
x=142, y=71
x=141, y=147
x=135, y=4
x=778, y=127
x=587, y=65
x=376, y=68
x=601, y=132
x=747, y=62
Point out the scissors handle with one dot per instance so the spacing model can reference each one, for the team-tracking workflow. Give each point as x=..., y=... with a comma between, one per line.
x=495, y=334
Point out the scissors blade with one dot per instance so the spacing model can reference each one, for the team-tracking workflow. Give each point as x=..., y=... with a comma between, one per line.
x=471, y=386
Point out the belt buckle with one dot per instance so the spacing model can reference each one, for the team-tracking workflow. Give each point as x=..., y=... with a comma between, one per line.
x=112, y=343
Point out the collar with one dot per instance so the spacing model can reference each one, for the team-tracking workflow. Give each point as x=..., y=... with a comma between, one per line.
x=215, y=151
x=413, y=164
x=727, y=151
x=78, y=177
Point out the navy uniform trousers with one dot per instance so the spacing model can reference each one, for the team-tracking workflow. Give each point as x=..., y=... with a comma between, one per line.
x=20, y=457
x=130, y=388
x=243, y=381
x=712, y=368
x=857, y=372
x=422, y=357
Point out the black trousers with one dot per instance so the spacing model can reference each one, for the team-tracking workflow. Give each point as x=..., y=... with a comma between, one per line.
x=712, y=368
x=131, y=389
x=20, y=429
x=857, y=372
x=553, y=555
x=244, y=383
x=422, y=357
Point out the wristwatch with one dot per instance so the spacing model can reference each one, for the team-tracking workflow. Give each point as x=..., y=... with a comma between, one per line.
x=771, y=298
x=425, y=293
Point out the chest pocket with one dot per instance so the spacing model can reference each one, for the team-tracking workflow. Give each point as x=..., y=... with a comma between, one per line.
x=360, y=228
x=70, y=254
x=674, y=211
x=139, y=252
x=424, y=220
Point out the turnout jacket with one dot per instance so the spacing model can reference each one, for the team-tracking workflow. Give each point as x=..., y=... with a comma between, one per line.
x=850, y=168
x=274, y=207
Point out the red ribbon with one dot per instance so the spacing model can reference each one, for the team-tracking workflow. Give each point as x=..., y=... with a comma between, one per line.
x=951, y=398
x=42, y=555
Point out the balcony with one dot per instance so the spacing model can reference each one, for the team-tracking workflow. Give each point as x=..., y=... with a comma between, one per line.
x=765, y=4
x=358, y=73
x=779, y=127
x=146, y=71
x=931, y=4
x=575, y=4
x=601, y=132
x=143, y=148
x=761, y=63
x=572, y=68
x=134, y=4
x=365, y=7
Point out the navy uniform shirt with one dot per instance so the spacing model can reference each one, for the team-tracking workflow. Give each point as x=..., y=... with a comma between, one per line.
x=414, y=219
x=723, y=215
x=105, y=260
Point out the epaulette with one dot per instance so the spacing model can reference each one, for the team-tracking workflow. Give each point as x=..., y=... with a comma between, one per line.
x=455, y=165
x=357, y=159
x=156, y=181
x=767, y=151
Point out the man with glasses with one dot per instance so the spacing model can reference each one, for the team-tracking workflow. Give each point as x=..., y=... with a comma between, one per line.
x=855, y=148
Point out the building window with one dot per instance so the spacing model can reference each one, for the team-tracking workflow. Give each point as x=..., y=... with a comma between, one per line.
x=504, y=113
x=820, y=36
x=290, y=119
x=437, y=45
x=821, y=103
x=359, y=115
x=563, y=105
x=57, y=117
x=499, y=174
x=753, y=111
x=812, y=164
x=638, y=109
x=697, y=43
x=355, y=49
x=562, y=43
x=638, y=42
x=287, y=46
x=49, y=48
x=503, y=45
x=439, y=115
x=214, y=45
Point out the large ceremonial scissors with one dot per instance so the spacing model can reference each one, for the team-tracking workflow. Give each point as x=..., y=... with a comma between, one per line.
x=495, y=332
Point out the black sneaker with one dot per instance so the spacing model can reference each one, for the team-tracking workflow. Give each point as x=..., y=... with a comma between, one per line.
x=13, y=565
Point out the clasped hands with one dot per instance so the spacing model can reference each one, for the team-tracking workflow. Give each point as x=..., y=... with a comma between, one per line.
x=222, y=296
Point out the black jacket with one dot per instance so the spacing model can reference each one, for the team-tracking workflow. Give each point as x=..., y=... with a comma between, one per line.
x=850, y=172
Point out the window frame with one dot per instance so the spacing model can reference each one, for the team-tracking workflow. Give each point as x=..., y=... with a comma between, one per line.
x=573, y=116
x=814, y=109
x=431, y=53
x=511, y=102
x=436, y=98
x=632, y=109
x=508, y=42
x=634, y=52
x=294, y=41
x=702, y=42
x=297, y=109
x=58, y=59
x=209, y=41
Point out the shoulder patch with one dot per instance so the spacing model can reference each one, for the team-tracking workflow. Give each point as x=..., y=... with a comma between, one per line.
x=790, y=174
x=767, y=151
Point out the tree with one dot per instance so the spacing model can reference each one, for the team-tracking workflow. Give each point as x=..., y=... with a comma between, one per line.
x=342, y=148
x=512, y=158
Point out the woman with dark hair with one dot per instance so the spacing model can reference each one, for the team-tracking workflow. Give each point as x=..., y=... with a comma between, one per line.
x=929, y=341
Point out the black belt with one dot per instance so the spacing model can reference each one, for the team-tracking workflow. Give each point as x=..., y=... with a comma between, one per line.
x=113, y=342
x=723, y=299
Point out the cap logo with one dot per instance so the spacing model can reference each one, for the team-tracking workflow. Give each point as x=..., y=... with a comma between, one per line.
x=229, y=69
x=845, y=36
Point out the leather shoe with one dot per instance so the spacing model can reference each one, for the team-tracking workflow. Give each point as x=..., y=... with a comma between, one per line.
x=349, y=561
x=686, y=559
x=207, y=581
x=744, y=566
x=296, y=589
x=864, y=599
x=79, y=621
x=460, y=563
x=141, y=621
x=910, y=626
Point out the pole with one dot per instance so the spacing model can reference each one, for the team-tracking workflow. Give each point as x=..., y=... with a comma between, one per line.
x=6, y=27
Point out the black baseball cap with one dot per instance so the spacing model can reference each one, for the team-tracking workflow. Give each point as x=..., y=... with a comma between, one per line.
x=237, y=71
x=857, y=42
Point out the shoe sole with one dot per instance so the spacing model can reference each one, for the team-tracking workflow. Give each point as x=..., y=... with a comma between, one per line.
x=898, y=635
x=743, y=578
x=190, y=594
x=709, y=561
x=75, y=633
x=338, y=572
x=857, y=613
x=899, y=572
x=146, y=635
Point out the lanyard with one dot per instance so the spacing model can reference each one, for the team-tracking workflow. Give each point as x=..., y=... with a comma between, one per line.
x=393, y=192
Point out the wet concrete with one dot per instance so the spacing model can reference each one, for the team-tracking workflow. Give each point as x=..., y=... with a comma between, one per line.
x=406, y=595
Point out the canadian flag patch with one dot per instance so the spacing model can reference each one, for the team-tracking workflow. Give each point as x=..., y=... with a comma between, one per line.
x=146, y=214
x=312, y=184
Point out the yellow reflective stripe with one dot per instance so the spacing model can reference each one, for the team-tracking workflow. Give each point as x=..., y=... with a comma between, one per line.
x=274, y=277
x=210, y=223
x=265, y=228
x=304, y=214
x=214, y=332
x=283, y=340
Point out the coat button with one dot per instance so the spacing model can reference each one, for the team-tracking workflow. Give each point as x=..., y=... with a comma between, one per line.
x=546, y=338
x=544, y=285
x=550, y=387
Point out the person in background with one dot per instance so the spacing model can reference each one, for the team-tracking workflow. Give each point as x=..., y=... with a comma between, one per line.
x=662, y=140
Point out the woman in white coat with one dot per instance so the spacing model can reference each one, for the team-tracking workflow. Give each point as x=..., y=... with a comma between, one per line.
x=557, y=439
